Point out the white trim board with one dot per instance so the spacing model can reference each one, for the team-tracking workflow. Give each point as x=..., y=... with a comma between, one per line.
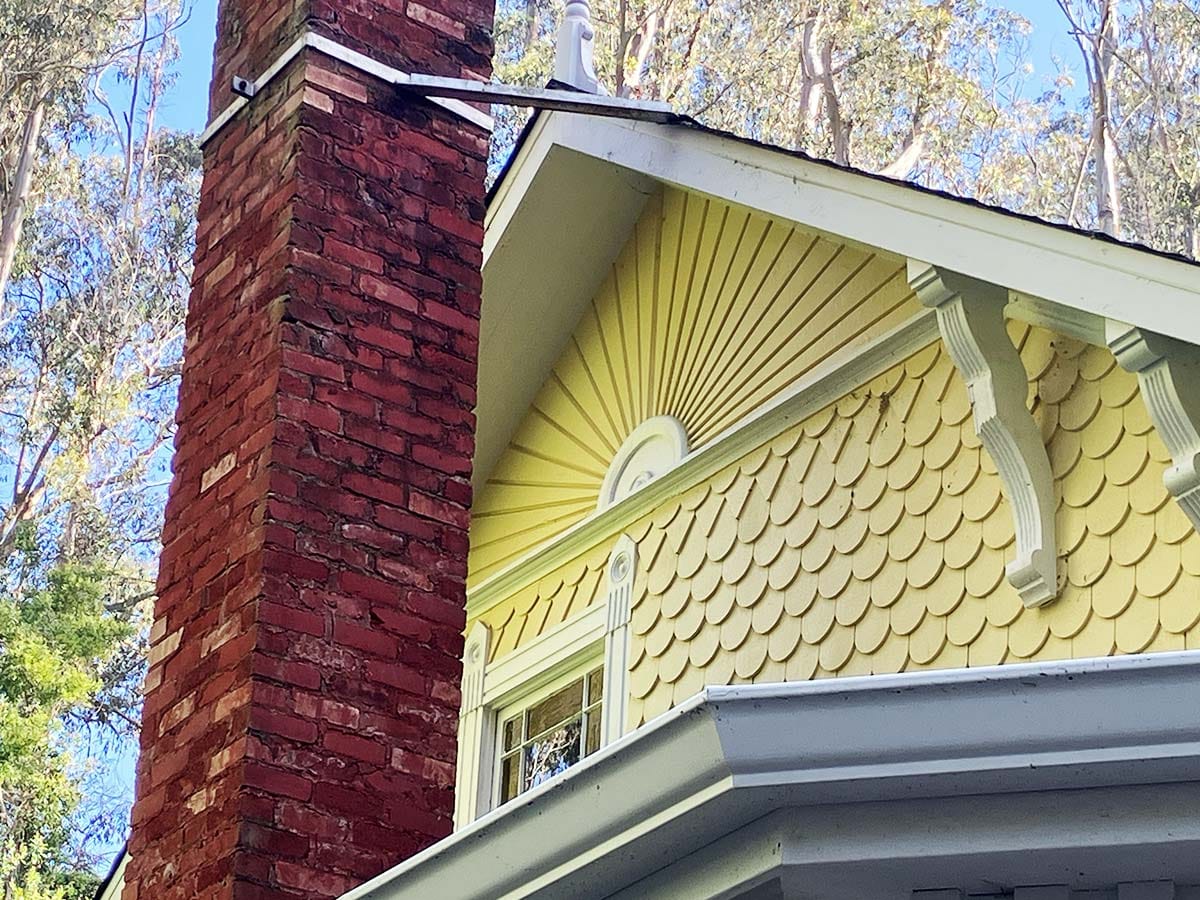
x=1069, y=268
x=563, y=647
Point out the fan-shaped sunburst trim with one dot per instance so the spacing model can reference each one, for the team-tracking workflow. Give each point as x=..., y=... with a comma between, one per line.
x=709, y=311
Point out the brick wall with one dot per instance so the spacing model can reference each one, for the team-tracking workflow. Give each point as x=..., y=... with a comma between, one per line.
x=298, y=733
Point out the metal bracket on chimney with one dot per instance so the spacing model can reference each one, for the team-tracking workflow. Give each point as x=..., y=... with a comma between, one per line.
x=453, y=94
x=565, y=100
x=244, y=87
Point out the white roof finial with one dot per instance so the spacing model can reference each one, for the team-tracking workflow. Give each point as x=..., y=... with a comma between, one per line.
x=573, y=60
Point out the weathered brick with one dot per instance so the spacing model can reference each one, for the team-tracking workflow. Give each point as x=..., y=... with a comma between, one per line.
x=310, y=597
x=356, y=747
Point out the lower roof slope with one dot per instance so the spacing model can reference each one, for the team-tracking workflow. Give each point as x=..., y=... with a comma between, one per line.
x=918, y=780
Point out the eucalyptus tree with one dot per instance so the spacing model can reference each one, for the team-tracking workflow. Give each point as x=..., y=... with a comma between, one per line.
x=901, y=87
x=939, y=92
x=95, y=253
x=1157, y=79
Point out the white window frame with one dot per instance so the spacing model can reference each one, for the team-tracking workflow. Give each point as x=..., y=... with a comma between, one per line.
x=539, y=689
x=597, y=636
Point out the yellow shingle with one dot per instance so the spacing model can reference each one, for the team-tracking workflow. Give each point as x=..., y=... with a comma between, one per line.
x=910, y=572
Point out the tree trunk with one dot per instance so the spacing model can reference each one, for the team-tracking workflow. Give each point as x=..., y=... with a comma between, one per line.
x=811, y=87
x=14, y=210
x=1108, y=201
x=914, y=145
x=819, y=97
x=531, y=12
x=839, y=128
x=641, y=47
x=622, y=45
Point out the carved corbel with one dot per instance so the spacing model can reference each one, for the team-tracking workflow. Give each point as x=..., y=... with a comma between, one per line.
x=970, y=317
x=476, y=732
x=1165, y=367
x=621, y=570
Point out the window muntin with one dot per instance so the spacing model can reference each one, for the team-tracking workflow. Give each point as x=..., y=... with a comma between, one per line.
x=551, y=735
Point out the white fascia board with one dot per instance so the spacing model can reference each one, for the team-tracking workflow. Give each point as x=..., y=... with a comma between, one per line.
x=513, y=187
x=734, y=754
x=629, y=788
x=1102, y=278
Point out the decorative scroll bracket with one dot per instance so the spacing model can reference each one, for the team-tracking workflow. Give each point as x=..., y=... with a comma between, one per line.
x=1168, y=372
x=970, y=317
x=476, y=732
x=621, y=570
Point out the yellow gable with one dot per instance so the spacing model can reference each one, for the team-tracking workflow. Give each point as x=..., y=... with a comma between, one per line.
x=708, y=312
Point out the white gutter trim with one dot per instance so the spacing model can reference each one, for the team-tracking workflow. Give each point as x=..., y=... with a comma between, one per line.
x=733, y=754
x=906, y=681
x=352, y=58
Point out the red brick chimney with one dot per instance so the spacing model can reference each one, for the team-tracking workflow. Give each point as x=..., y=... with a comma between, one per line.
x=299, y=727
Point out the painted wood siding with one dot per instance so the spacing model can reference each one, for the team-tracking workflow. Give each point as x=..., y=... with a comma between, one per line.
x=872, y=538
x=554, y=598
x=708, y=312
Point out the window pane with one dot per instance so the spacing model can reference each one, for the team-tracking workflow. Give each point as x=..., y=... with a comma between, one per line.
x=512, y=733
x=510, y=777
x=546, y=738
x=553, y=753
x=593, y=731
x=555, y=709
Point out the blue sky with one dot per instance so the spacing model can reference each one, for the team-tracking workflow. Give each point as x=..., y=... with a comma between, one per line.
x=186, y=108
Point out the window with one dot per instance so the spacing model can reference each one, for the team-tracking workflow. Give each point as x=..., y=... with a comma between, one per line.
x=542, y=707
x=550, y=735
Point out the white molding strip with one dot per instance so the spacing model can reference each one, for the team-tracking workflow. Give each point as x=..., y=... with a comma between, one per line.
x=545, y=657
x=620, y=572
x=476, y=731
x=1168, y=372
x=971, y=319
x=352, y=58
x=1074, y=323
x=843, y=372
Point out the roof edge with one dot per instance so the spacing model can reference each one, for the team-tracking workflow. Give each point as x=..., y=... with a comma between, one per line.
x=732, y=754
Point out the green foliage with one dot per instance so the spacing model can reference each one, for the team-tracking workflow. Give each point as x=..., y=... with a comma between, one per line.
x=56, y=641
x=91, y=327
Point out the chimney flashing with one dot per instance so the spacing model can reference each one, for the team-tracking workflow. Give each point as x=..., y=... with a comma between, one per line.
x=246, y=88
